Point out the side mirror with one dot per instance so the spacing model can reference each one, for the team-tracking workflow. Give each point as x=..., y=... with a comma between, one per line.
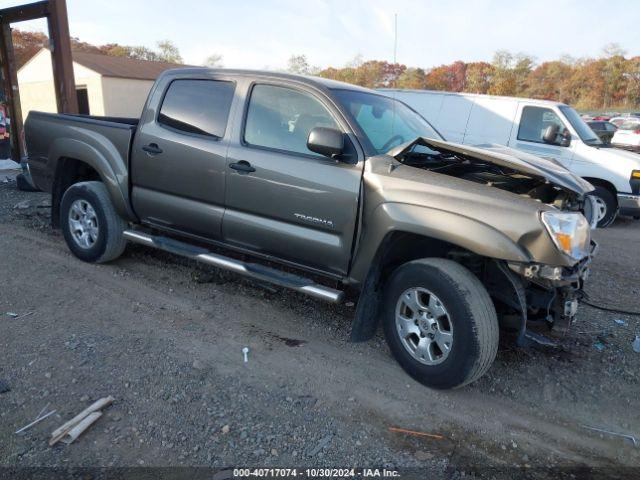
x=326, y=141
x=551, y=134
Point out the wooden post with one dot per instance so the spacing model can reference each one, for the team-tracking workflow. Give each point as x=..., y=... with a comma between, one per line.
x=10, y=76
x=63, y=80
x=60, y=40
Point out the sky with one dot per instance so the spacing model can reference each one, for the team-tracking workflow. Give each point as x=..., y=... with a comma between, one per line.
x=264, y=34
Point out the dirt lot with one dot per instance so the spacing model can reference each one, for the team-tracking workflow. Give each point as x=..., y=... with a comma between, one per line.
x=164, y=337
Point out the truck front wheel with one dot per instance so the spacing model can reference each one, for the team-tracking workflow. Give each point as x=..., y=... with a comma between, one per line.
x=90, y=225
x=440, y=323
x=606, y=206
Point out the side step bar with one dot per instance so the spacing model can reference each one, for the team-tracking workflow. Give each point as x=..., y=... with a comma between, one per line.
x=253, y=270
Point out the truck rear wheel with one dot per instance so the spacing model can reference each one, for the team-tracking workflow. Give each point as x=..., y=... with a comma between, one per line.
x=90, y=225
x=440, y=323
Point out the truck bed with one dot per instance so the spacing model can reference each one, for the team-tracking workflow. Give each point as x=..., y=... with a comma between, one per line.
x=51, y=136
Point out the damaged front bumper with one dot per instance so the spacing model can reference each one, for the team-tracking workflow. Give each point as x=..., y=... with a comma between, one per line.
x=548, y=295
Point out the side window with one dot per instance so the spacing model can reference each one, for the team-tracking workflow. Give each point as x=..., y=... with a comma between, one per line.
x=535, y=121
x=197, y=106
x=281, y=118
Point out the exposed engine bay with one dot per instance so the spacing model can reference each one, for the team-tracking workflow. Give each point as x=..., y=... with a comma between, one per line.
x=494, y=176
x=497, y=167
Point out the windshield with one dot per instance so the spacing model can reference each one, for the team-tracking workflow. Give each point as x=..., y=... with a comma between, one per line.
x=584, y=131
x=385, y=121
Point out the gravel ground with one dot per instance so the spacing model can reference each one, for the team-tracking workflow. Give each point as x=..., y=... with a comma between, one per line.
x=165, y=336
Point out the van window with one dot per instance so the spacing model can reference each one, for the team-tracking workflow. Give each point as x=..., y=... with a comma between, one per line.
x=281, y=118
x=197, y=106
x=534, y=122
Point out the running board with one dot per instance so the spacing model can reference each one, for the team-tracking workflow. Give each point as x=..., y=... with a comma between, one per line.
x=253, y=270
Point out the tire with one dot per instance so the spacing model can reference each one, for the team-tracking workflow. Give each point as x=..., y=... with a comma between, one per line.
x=470, y=317
x=608, y=203
x=93, y=213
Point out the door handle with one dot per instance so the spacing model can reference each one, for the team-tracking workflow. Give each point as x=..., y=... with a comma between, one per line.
x=152, y=149
x=242, y=166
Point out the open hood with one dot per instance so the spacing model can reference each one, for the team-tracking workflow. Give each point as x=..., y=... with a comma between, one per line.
x=502, y=156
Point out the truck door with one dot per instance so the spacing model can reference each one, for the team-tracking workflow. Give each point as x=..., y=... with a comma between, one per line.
x=534, y=121
x=178, y=158
x=282, y=199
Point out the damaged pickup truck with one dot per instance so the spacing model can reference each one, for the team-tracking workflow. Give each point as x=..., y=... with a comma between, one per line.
x=333, y=191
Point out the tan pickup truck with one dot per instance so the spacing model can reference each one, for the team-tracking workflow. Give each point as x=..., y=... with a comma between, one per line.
x=331, y=190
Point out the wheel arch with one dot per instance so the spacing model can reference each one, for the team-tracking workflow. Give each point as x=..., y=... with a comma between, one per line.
x=76, y=161
x=603, y=183
x=419, y=240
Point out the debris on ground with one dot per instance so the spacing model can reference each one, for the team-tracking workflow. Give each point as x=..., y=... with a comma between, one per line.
x=619, y=321
x=71, y=430
x=599, y=346
x=38, y=419
x=636, y=344
x=4, y=386
x=416, y=434
x=321, y=445
x=631, y=438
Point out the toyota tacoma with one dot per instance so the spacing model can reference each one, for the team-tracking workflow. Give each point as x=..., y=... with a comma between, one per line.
x=334, y=191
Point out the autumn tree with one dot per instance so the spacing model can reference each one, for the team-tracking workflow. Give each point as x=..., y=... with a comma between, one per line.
x=504, y=79
x=479, y=77
x=412, y=78
x=633, y=82
x=550, y=81
x=27, y=44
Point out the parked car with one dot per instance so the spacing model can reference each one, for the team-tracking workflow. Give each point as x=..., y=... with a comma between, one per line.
x=544, y=128
x=443, y=243
x=617, y=121
x=628, y=136
x=604, y=130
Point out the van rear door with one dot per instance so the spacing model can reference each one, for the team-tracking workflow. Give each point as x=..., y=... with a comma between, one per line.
x=534, y=119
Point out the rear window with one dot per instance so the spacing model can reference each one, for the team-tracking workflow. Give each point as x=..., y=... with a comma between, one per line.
x=197, y=106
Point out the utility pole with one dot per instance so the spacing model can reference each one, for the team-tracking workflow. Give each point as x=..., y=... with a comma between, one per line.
x=395, y=38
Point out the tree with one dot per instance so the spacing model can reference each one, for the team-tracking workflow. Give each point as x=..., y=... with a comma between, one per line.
x=550, y=81
x=27, y=44
x=633, y=82
x=214, y=61
x=613, y=72
x=479, y=76
x=504, y=79
x=523, y=66
x=412, y=78
x=355, y=62
x=168, y=52
x=298, y=64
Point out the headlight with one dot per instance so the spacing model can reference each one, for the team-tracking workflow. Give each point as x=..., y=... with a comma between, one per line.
x=569, y=231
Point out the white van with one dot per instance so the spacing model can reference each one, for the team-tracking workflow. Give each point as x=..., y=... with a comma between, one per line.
x=540, y=127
